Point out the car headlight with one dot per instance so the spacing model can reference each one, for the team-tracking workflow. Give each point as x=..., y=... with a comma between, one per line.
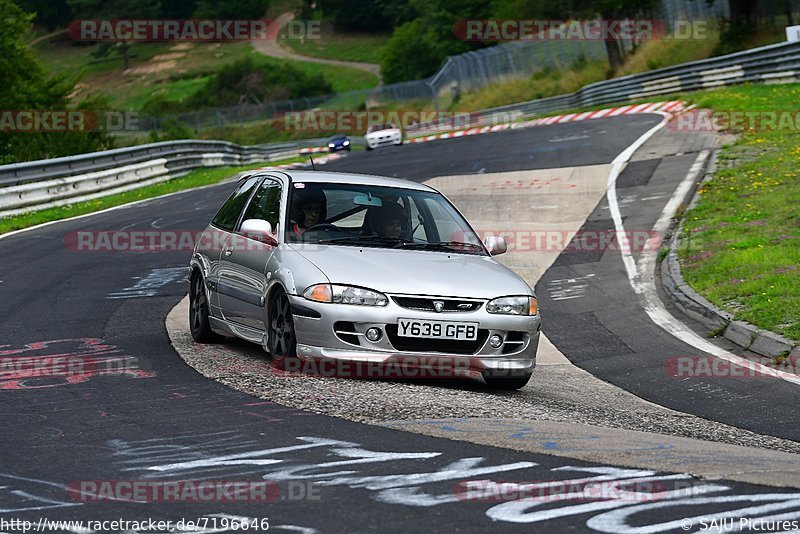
x=345, y=295
x=346, y=143
x=513, y=306
x=331, y=145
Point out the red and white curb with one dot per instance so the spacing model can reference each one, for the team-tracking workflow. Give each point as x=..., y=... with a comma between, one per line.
x=671, y=106
x=313, y=150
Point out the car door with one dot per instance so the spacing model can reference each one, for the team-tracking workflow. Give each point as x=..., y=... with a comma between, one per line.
x=215, y=238
x=243, y=278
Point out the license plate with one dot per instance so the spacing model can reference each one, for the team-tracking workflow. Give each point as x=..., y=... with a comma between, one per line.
x=437, y=329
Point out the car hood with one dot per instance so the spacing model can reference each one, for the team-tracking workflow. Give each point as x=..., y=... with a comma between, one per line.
x=415, y=272
x=392, y=131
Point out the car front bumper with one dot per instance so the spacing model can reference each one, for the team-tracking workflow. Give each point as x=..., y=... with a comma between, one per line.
x=316, y=326
x=387, y=140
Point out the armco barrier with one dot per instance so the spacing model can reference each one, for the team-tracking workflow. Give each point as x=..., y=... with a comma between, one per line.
x=47, y=183
x=778, y=63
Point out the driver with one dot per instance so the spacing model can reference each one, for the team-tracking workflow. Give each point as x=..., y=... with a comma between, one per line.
x=310, y=208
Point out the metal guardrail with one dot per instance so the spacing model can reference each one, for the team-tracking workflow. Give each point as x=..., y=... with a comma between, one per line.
x=39, y=184
x=779, y=63
x=768, y=64
x=33, y=171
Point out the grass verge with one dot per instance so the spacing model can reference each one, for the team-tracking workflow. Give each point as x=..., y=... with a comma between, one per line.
x=741, y=246
x=174, y=71
x=194, y=179
x=366, y=48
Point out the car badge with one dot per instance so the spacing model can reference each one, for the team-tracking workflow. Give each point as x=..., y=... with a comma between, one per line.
x=438, y=305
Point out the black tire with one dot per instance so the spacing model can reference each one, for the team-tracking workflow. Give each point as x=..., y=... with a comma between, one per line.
x=369, y=148
x=199, y=324
x=282, y=339
x=506, y=381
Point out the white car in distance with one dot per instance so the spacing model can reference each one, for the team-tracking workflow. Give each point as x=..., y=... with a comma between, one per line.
x=386, y=134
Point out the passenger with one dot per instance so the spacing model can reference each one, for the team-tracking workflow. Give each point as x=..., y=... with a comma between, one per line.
x=390, y=221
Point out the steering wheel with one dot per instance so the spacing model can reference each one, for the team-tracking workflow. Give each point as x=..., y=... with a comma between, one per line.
x=324, y=227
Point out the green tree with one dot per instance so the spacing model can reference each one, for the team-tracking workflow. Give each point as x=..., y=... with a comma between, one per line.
x=178, y=9
x=25, y=87
x=231, y=9
x=419, y=47
x=410, y=54
x=373, y=16
x=52, y=14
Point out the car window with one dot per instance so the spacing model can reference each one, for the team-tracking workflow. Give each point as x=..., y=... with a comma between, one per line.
x=388, y=217
x=228, y=215
x=418, y=229
x=266, y=204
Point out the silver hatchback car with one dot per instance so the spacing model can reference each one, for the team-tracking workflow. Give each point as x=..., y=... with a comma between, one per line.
x=330, y=266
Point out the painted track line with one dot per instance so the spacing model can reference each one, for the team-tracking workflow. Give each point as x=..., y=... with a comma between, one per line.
x=642, y=277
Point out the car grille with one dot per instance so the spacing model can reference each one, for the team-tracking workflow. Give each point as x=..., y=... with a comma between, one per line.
x=426, y=304
x=514, y=342
x=449, y=346
x=346, y=332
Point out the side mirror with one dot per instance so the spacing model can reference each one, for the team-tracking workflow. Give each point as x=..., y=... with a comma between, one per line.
x=259, y=230
x=495, y=244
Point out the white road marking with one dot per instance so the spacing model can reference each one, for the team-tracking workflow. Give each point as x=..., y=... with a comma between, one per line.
x=569, y=288
x=149, y=285
x=642, y=277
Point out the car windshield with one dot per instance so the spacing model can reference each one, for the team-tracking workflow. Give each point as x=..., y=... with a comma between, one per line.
x=378, y=217
x=338, y=137
x=379, y=127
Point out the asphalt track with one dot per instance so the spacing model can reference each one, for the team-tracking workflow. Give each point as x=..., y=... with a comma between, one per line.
x=132, y=410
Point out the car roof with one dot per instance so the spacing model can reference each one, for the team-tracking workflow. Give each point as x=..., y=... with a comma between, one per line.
x=350, y=178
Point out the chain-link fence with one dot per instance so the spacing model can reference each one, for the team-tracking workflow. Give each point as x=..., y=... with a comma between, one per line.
x=464, y=72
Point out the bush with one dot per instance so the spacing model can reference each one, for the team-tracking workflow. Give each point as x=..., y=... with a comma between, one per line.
x=171, y=130
x=733, y=38
x=245, y=81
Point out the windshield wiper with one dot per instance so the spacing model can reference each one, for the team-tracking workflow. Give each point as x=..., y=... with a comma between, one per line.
x=366, y=239
x=447, y=245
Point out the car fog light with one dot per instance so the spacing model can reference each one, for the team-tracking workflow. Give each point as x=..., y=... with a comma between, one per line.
x=373, y=334
x=495, y=341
